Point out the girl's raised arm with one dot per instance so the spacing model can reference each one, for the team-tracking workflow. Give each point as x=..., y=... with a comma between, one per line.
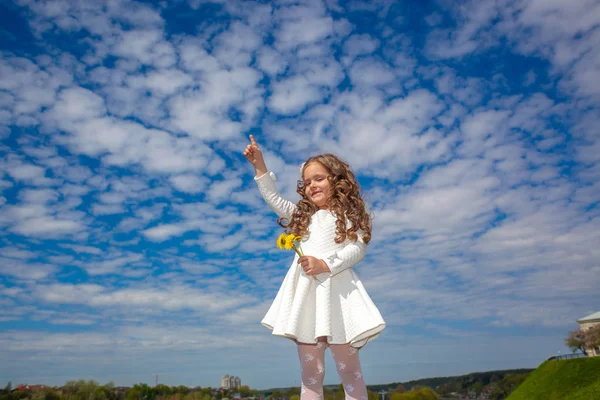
x=255, y=157
x=266, y=182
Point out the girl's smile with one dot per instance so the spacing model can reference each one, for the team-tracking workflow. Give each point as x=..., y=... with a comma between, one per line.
x=316, y=185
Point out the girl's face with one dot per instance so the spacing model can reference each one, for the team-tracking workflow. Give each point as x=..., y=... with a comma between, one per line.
x=316, y=185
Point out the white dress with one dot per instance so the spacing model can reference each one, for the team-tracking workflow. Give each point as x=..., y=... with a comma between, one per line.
x=333, y=304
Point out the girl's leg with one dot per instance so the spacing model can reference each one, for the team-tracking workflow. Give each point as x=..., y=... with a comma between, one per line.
x=312, y=363
x=348, y=367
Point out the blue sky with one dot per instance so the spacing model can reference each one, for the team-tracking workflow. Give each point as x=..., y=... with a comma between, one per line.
x=134, y=241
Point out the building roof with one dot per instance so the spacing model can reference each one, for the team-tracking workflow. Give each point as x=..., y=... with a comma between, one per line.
x=27, y=387
x=592, y=317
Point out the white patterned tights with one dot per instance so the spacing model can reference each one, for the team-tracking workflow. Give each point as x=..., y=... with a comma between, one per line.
x=312, y=362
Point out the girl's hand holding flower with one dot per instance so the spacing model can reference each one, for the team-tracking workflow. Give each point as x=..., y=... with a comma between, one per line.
x=312, y=265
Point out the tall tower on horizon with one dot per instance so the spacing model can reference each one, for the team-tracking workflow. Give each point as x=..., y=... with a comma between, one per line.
x=231, y=382
x=225, y=382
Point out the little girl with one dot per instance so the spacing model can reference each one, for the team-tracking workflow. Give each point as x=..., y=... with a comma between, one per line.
x=322, y=302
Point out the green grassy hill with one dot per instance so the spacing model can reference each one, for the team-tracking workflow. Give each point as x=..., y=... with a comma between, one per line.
x=575, y=379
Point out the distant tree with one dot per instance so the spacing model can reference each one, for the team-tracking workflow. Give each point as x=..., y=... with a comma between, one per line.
x=276, y=394
x=37, y=394
x=400, y=389
x=340, y=393
x=141, y=391
x=429, y=394
x=83, y=390
x=8, y=387
x=51, y=395
x=505, y=386
x=163, y=390
x=417, y=393
x=294, y=390
x=592, y=336
x=328, y=393
x=100, y=393
x=245, y=391
x=182, y=389
x=583, y=340
x=576, y=341
x=444, y=389
x=18, y=395
x=477, y=387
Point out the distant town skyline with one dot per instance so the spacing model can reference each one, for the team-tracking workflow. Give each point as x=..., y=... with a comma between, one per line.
x=230, y=382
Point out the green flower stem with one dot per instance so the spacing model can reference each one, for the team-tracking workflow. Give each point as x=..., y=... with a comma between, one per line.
x=298, y=251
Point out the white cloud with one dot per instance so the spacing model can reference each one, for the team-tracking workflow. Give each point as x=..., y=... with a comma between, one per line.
x=323, y=72
x=195, y=58
x=146, y=46
x=204, y=114
x=110, y=265
x=26, y=271
x=358, y=45
x=189, y=183
x=143, y=215
x=294, y=94
x=38, y=196
x=471, y=35
x=26, y=172
x=270, y=61
x=31, y=87
x=82, y=249
x=76, y=104
x=163, y=232
x=39, y=215
x=235, y=46
x=12, y=252
x=300, y=26
x=107, y=209
x=371, y=73
x=47, y=226
x=130, y=143
x=146, y=298
x=164, y=82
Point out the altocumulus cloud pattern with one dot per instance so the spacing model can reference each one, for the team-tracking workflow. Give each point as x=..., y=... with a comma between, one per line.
x=134, y=241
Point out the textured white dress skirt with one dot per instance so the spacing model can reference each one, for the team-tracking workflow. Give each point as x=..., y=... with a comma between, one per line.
x=333, y=304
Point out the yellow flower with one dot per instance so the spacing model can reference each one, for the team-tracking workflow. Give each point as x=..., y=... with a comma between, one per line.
x=288, y=242
x=291, y=239
x=282, y=242
x=296, y=238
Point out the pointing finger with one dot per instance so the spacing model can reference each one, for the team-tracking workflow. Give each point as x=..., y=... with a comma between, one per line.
x=253, y=141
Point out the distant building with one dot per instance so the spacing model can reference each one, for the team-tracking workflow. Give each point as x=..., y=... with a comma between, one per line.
x=231, y=382
x=21, y=388
x=586, y=323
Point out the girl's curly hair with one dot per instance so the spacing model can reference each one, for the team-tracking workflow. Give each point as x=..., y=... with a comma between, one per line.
x=345, y=202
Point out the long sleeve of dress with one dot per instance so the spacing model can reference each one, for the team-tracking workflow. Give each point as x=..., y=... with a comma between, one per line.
x=345, y=258
x=266, y=185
